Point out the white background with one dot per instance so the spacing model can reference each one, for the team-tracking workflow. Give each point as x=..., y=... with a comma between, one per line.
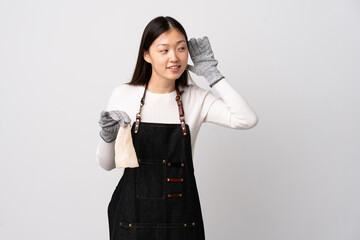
x=295, y=176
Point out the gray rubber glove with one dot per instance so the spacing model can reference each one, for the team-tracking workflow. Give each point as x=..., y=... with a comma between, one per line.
x=110, y=122
x=204, y=62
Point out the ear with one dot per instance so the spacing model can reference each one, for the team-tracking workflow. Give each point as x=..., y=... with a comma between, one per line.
x=147, y=57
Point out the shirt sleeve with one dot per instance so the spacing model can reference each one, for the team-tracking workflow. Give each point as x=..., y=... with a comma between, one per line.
x=105, y=152
x=229, y=109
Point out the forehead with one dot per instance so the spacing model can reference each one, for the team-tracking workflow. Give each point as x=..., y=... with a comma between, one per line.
x=171, y=37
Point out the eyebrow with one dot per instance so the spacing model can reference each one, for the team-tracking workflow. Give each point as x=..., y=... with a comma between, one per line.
x=168, y=44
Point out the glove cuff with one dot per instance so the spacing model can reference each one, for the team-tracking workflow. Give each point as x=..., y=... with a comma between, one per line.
x=212, y=76
x=106, y=137
x=211, y=85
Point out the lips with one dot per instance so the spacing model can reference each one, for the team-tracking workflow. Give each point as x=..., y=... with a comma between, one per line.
x=174, y=67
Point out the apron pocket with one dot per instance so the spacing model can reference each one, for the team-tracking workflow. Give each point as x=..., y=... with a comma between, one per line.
x=125, y=231
x=157, y=231
x=150, y=179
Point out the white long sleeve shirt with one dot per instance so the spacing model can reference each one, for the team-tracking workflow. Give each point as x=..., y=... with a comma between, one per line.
x=228, y=109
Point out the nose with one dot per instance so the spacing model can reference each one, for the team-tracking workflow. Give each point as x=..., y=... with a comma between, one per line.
x=174, y=57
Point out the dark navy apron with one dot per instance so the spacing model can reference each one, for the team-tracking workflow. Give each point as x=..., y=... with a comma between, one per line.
x=159, y=199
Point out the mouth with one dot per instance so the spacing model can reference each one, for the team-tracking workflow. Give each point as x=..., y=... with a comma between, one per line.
x=174, y=67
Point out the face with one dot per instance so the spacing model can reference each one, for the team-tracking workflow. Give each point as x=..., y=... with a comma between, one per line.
x=168, y=50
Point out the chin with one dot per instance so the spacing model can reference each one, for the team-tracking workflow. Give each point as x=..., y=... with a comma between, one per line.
x=174, y=77
x=181, y=73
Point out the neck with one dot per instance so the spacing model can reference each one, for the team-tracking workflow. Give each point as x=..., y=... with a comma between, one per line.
x=161, y=86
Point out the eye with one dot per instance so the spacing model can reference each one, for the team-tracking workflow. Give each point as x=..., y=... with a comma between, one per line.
x=163, y=50
x=183, y=48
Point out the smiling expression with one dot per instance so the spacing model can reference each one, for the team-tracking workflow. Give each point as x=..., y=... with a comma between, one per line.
x=168, y=56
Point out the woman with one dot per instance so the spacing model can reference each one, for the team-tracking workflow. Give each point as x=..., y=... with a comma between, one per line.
x=159, y=198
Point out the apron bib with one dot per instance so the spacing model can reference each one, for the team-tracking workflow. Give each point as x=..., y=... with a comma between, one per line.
x=159, y=199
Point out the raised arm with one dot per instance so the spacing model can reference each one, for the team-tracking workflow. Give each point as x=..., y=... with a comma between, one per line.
x=229, y=108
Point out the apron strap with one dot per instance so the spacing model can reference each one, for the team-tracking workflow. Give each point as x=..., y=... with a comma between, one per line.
x=179, y=103
x=181, y=111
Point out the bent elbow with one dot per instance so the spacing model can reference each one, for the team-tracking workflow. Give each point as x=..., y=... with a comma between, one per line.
x=105, y=155
x=105, y=167
x=241, y=123
x=104, y=163
x=253, y=122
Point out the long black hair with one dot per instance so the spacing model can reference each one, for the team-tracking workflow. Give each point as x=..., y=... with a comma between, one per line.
x=154, y=29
